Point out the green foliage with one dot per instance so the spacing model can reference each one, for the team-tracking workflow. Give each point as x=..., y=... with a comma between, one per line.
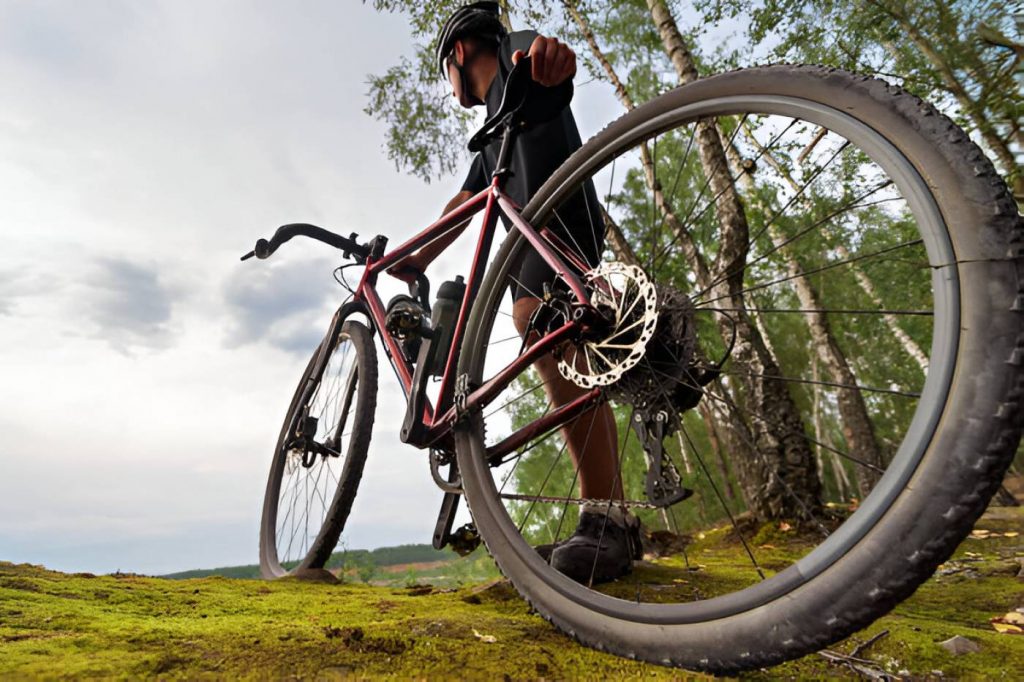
x=424, y=130
x=964, y=56
x=427, y=130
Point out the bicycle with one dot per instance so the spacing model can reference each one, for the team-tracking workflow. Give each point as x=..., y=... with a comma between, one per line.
x=908, y=240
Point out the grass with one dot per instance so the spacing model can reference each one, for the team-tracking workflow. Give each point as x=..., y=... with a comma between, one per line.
x=54, y=624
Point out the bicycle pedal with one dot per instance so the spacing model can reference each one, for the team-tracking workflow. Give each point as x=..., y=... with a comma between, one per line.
x=464, y=540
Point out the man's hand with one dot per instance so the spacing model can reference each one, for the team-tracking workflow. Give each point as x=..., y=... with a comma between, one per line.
x=409, y=268
x=553, y=62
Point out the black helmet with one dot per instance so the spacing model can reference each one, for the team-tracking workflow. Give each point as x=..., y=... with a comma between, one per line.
x=473, y=19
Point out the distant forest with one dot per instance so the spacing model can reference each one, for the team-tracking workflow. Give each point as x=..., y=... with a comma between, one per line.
x=382, y=556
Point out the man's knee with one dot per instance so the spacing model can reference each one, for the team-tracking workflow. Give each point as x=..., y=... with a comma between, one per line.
x=522, y=311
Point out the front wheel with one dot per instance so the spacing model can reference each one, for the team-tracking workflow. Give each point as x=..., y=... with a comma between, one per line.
x=858, y=263
x=320, y=452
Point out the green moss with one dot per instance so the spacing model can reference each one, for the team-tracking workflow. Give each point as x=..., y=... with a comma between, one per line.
x=130, y=626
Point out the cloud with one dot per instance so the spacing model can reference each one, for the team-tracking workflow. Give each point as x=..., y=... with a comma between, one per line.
x=286, y=305
x=7, y=295
x=17, y=285
x=128, y=304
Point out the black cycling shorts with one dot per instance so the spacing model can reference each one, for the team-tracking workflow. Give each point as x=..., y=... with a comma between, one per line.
x=579, y=224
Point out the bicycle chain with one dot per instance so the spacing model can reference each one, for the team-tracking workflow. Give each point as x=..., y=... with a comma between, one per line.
x=639, y=504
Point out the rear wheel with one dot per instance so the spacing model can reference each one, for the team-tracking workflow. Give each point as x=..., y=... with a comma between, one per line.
x=858, y=262
x=320, y=453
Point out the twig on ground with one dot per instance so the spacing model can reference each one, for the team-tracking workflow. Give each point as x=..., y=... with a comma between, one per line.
x=861, y=647
x=858, y=665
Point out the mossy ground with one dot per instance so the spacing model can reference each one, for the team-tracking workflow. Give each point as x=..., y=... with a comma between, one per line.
x=54, y=624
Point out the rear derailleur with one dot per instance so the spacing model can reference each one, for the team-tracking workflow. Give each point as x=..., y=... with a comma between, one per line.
x=664, y=485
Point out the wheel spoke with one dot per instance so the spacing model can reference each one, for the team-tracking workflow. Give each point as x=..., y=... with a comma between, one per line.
x=806, y=273
x=671, y=198
x=758, y=416
x=575, y=476
x=721, y=500
x=611, y=494
x=686, y=221
x=543, y=485
x=799, y=235
x=824, y=311
x=854, y=387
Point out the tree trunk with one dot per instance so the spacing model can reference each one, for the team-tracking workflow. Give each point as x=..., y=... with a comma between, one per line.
x=909, y=345
x=716, y=447
x=857, y=427
x=794, y=489
x=617, y=241
x=763, y=490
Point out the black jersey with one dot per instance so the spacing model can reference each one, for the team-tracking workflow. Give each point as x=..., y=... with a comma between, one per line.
x=539, y=151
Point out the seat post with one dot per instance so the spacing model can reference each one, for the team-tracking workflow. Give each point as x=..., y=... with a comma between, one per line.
x=502, y=167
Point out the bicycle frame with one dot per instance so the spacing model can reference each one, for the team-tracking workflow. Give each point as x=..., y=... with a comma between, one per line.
x=438, y=422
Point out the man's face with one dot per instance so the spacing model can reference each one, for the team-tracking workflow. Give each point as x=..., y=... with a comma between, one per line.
x=457, y=57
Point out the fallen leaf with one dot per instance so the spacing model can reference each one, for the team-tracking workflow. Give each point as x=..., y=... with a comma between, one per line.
x=1010, y=534
x=768, y=547
x=1009, y=624
x=785, y=526
x=980, y=533
x=489, y=639
x=680, y=581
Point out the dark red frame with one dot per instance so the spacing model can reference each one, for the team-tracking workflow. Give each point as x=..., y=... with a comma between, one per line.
x=493, y=202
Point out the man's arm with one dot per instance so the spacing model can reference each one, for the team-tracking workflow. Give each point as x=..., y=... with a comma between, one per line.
x=426, y=255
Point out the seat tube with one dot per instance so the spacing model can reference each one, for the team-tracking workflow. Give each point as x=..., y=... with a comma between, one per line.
x=483, y=248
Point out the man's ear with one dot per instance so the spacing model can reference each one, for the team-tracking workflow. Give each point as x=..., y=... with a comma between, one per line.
x=459, y=52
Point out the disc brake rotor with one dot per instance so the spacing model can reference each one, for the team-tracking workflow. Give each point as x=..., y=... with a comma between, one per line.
x=630, y=300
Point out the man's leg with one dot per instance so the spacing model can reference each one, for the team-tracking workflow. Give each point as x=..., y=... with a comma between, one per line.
x=592, y=438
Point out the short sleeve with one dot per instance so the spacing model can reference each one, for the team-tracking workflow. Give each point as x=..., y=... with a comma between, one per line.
x=476, y=179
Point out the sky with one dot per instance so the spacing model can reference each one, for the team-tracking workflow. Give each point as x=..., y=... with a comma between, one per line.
x=145, y=371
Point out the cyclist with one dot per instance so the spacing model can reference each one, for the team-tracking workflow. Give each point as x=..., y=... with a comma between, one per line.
x=475, y=53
